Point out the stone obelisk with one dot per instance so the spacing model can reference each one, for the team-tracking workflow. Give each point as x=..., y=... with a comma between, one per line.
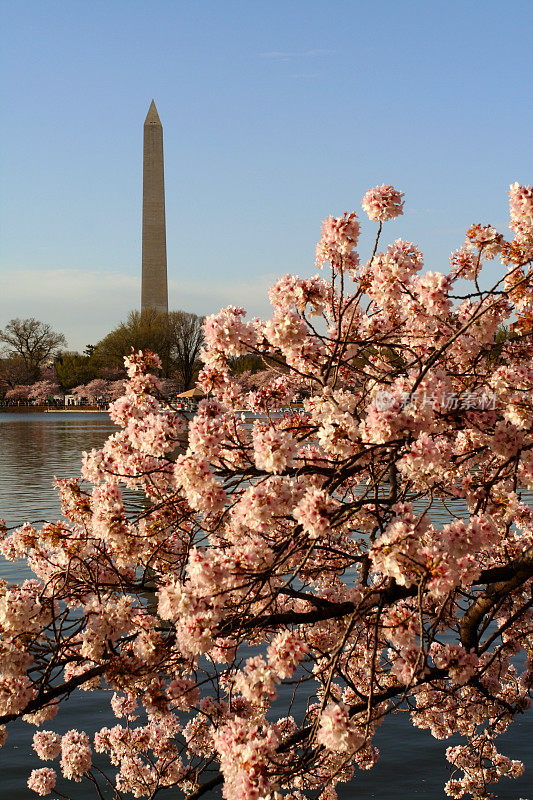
x=154, y=241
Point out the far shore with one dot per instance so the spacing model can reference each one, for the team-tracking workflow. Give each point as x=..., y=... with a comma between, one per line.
x=76, y=411
x=47, y=410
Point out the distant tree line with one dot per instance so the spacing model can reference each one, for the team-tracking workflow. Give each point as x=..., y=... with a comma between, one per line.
x=35, y=364
x=34, y=355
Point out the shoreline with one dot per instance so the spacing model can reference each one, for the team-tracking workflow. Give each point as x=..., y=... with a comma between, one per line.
x=45, y=410
x=76, y=411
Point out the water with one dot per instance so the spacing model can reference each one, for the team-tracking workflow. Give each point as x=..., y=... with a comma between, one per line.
x=36, y=447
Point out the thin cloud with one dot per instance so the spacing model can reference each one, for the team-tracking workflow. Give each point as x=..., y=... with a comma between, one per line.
x=82, y=305
x=277, y=54
x=85, y=305
x=205, y=298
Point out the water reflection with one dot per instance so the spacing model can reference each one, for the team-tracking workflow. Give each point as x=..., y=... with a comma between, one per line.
x=34, y=449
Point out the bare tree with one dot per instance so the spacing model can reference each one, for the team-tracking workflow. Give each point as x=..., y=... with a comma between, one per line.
x=13, y=373
x=185, y=338
x=31, y=340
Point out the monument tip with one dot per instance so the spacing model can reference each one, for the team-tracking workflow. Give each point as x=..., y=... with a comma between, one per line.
x=152, y=117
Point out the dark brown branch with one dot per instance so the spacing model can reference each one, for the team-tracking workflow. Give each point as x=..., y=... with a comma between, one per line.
x=205, y=787
x=44, y=698
x=495, y=592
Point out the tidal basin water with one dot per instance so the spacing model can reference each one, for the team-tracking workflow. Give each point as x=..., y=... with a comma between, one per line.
x=36, y=447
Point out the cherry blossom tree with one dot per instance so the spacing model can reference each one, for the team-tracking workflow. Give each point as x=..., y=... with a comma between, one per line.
x=18, y=392
x=43, y=390
x=115, y=389
x=93, y=390
x=272, y=557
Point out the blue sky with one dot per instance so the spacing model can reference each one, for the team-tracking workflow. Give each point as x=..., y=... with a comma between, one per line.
x=275, y=114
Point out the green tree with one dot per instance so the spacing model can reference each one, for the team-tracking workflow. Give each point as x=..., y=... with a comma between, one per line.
x=73, y=369
x=248, y=363
x=142, y=330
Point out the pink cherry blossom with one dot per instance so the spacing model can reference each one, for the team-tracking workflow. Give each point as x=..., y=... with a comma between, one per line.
x=273, y=449
x=15, y=694
x=75, y=755
x=313, y=513
x=42, y=781
x=47, y=745
x=311, y=295
x=285, y=653
x=521, y=210
x=338, y=241
x=244, y=747
x=383, y=203
x=336, y=732
x=227, y=331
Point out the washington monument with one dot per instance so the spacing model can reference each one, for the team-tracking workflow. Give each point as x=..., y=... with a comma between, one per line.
x=154, y=292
